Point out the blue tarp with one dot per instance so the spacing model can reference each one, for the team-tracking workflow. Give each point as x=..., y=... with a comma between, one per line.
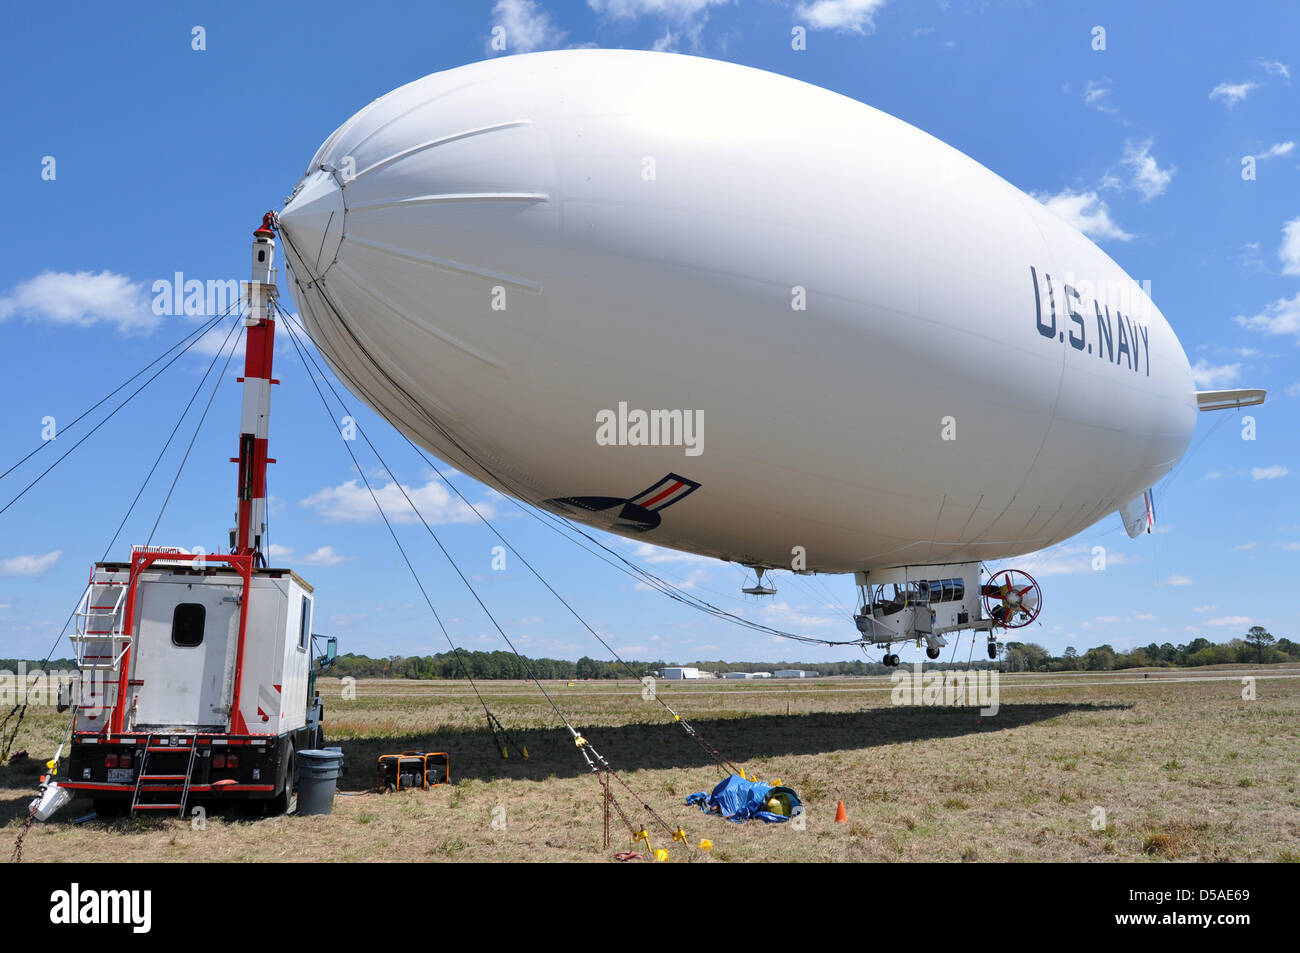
x=739, y=800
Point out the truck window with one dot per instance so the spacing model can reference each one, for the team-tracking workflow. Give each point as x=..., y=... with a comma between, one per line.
x=187, y=624
x=304, y=624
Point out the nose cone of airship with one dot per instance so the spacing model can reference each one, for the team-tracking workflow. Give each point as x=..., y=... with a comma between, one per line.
x=312, y=225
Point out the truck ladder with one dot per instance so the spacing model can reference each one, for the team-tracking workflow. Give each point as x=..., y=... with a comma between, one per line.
x=100, y=642
x=137, y=804
x=99, y=639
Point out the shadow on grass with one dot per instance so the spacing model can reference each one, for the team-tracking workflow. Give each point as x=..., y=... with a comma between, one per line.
x=650, y=746
x=664, y=745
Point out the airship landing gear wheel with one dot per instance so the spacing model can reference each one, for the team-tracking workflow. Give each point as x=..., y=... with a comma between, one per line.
x=932, y=653
x=993, y=650
x=1012, y=598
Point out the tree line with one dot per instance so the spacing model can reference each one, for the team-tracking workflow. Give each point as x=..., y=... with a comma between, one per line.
x=1257, y=646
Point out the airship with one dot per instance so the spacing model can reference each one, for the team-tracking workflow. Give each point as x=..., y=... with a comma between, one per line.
x=727, y=312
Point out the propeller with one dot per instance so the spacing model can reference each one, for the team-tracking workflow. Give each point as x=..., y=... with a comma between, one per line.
x=1012, y=598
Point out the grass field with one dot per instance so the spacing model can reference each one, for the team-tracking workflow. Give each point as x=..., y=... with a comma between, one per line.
x=1183, y=767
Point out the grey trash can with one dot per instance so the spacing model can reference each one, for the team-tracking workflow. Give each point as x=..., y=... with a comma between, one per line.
x=318, y=773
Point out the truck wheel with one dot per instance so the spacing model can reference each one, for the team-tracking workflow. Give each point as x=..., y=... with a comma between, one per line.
x=284, y=797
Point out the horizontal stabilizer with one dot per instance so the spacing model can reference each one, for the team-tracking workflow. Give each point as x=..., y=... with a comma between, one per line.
x=1139, y=515
x=1227, y=399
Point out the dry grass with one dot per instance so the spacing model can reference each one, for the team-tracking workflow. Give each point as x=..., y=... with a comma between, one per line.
x=1184, y=770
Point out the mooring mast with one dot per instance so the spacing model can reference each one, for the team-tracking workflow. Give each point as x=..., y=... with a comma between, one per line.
x=249, y=533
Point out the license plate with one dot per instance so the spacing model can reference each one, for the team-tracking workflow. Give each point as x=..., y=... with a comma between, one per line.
x=120, y=775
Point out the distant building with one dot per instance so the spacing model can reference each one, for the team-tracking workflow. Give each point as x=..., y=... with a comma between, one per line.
x=760, y=675
x=793, y=673
x=676, y=674
x=735, y=675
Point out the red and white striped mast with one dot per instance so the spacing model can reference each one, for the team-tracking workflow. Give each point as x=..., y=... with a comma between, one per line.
x=249, y=535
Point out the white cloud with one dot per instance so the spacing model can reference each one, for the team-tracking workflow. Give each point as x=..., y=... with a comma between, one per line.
x=1147, y=176
x=1086, y=212
x=1214, y=376
x=1178, y=581
x=1233, y=93
x=1274, y=68
x=783, y=615
x=1289, y=252
x=692, y=578
x=667, y=42
x=1268, y=473
x=1279, y=317
x=29, y=565
x=219, y=339
x=350, y=503
x=1229, y=620
x=659, y=554
x=527, y=26
x=1204, y=608
x=854, y=16
x=325, y=556
x=1095, y=93
x=1066, y=560
x=1277, y=149
x=82, y=298
x=686, y=17
x=1244, y=547
x=630, y=9
x=1120, y=619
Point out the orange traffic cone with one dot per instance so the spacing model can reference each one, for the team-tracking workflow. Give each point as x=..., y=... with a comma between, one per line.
x=841, y=817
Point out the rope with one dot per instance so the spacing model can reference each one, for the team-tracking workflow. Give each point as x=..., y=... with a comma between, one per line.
x=45, y=443
x=7, y=740
x=723, y=763
x=384, y=516
x=517, y=492
x=527, y=668
x=95, y=428
x=595, y=760
x=170, y=437
x=197, y=427
x=16, y=856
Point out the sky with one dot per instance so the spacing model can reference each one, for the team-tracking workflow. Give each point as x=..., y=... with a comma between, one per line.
x=147, y=140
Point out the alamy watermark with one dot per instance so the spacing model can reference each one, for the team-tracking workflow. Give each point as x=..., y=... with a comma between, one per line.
x=57, y=687
x=975, y=688
x=651, y=428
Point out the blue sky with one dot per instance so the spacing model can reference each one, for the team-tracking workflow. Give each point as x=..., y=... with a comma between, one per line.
x=164, y=157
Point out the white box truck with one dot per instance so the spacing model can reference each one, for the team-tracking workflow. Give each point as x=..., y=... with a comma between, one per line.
x=196, y=669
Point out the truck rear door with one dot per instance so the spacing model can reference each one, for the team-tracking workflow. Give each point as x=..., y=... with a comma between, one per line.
x=184, y=652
